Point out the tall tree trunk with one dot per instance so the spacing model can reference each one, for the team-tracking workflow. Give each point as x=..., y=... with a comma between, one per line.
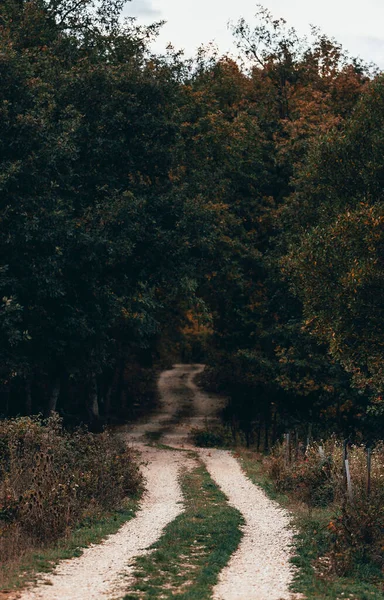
x=274, y=427
x=93, y=404
x=28, y=397
x=248, y=438
x=120, y=391
x=267, y=424
x=54, y=396
x=258, y=434
x=107, y=399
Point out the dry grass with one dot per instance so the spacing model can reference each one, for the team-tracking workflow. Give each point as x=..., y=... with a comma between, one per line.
x=317, y=477
x=50, y=480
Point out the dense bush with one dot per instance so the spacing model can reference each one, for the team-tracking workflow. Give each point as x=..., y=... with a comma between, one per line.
x=358, y=529
x=50, y=479
x=217, y=436
x=308, y=474
x=316, y=477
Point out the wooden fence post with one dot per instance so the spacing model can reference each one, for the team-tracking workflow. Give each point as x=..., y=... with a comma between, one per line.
x=309, y=436
x=347, y=471
x=345, y=450
x=297, y=443
x=287, y=449
x=349, y=482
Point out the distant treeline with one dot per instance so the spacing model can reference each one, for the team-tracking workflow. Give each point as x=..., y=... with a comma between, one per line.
x=145, y=198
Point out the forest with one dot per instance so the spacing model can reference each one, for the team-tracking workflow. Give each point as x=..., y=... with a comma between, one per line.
x=156, y=208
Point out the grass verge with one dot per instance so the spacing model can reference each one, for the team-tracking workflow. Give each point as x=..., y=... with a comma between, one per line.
x=186, y=561
x=18, y=573
x=313, y=540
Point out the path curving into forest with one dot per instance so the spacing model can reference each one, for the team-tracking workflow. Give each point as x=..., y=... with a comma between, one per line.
x=258, y=570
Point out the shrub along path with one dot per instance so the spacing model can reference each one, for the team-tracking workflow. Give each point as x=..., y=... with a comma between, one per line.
x=258, y=570
x=97, y=572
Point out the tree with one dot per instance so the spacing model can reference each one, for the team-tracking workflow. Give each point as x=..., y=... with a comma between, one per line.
x=95, y=244
x=293, y=89
x=335, y=258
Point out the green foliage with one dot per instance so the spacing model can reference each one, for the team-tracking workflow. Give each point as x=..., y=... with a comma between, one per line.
x=137, y=189
x=334, y=262
x=261, y=352
x=97, y=247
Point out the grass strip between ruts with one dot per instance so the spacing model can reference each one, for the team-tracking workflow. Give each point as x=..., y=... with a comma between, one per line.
x=15, y=575
x=312, y=542
x=185, y=562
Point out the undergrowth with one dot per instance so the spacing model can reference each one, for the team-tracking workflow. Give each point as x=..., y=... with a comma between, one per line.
x=185, y=562
x=216, y=436
x=51, y=480
x=316, y=477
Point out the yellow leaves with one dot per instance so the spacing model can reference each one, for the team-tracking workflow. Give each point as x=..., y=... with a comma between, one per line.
x=128, y=315
x=176, y=175
x=210, y=276
x=329, y=388
x=332, y=527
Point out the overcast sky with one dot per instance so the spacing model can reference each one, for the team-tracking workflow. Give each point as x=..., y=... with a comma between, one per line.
x=190, y=23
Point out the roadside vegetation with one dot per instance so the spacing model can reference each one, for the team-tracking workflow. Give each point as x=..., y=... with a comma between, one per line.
x=53, y=483
x=318, y=478
x=24, y=569
x=186, y=561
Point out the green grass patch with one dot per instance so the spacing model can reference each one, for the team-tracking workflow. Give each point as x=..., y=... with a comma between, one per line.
x=314, y=579
x=186, y=560
x=18, y=573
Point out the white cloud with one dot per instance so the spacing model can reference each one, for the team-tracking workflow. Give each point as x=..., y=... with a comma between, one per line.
x=191, y=23
x=142, y=9
x=368, y=47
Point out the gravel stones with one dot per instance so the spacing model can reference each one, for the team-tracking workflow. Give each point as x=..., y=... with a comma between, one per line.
x=260, y=568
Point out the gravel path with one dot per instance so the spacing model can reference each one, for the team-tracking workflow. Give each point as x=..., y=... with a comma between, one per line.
x=101, y=571
x=260, y=568
x=182, y=406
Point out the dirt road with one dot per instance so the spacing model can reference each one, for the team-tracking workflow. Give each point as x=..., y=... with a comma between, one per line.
x=258, y=570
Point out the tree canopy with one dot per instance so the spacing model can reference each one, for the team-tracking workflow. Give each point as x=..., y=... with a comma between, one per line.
x=141, y=193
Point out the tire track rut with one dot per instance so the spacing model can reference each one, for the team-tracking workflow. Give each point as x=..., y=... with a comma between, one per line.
x=258, y=570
